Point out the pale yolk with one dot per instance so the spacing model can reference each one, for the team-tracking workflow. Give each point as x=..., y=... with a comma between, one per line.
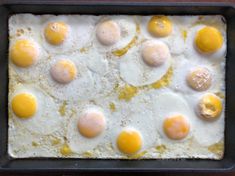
x=24, y=53
x=210, y=107
x=160, y=26
x=129, y=141
x=64, y=71
x=108, y=33
x=91, y=123
x=176, y=127
x=199, y=79
x=208, y=40
x=56, y=32
x=155, y=54
x=24, y=105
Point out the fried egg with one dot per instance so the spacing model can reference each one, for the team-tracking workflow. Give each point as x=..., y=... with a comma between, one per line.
x=61, y=34
x=134, y=120
x=206, y=43
x=133, y=67
x=25, y=53
x=114, y=34
x=208, y=117
x=34, y=110
x=175, y=122
x=87, y=128
x=191, y=76
x=84, y=77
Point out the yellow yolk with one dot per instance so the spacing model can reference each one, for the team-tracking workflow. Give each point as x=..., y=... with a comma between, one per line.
x=64, y=71
x=210, y=107
x=176, y=127
x=129, y=141
x=24, y=105
x=160, y=26
x=91, y=124
x=24, y=53
x=56, y=32
x=208, y=40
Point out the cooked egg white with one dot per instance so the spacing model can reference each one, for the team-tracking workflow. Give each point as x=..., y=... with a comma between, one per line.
x=84, y=86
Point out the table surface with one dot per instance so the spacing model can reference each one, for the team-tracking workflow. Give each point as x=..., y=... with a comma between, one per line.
x=136, y=174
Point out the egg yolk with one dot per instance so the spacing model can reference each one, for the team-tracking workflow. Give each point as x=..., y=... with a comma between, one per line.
x=160, y=26
x=108, y=33
x=176, y=127
x=199, y=79
x=24, y=105
x=24, y=53
x=64, y=71
x=129, y=141
x=208, y=40
x=56, y=32
x=210, y=107
x=91, y=123
x=155, y=54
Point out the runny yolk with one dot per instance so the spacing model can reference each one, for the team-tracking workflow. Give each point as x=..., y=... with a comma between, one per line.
x=208, y=40
x=129, y=141
x=56, y=32
x=24, y=53
x=176, y=127
x=24, y=105
x=160, y=26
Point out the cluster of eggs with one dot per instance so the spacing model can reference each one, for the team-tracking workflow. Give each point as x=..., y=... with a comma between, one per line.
x=154, y=54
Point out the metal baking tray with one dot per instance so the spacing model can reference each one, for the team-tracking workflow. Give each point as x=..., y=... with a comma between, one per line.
x=8, y=164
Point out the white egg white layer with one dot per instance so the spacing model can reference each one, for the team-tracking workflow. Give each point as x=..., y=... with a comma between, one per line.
x=100, y=74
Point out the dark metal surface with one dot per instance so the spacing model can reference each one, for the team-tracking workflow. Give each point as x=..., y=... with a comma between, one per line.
x=8, y=164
